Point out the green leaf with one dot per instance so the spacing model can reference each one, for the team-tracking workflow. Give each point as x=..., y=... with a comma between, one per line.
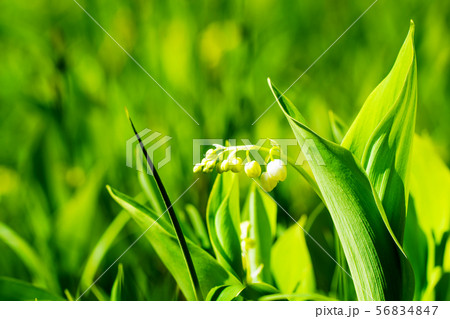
x=256, y=291
x=116, y=291
x=428, y=219
x=173, y=217
x=262, y=212
x=291, y=263
x=379, y=267
x=222, y=215
x=430, y=188
x=16, y=290
x=40, y=272
x=416, y=248
x=381, y=135
x=198, y=225
x=224, y=293
x=163, y=239
x=100, y=250
x=149, y=185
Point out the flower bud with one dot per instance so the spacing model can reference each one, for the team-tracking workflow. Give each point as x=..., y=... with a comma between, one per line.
x=219, y=168
x=277, y=170
x=236, y=164
x=209, y=152
x=197, y=168
x=225, y=166
x=253, y=169
x=209, y=166
x=268, y=183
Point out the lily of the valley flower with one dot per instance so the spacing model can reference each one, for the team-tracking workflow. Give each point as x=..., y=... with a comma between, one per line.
x=277, y=170
x=268, y=183
x=224, y=159
x=253, y=169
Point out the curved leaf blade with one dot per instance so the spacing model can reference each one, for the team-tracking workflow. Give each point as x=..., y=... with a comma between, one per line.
x=379, y=268
x=381, y=136
x=223, y=214
x=291, y=263
x=262, y=212
x=166, y=245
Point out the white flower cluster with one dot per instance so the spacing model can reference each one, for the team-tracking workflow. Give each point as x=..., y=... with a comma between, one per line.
x=214, y=159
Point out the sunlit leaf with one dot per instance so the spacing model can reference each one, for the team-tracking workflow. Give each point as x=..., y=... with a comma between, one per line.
x=262, y=212
x=378, y=266
x=223, y=216
x=116, y=291
x=224, y=293
x=163, y=239
x=430, y=188
x=291, y=263
x=381, y=135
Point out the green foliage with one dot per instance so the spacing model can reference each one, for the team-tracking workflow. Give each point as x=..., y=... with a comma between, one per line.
x=162, y=238
x=116, y=291
x=381, y=135
x=222, y=216
x=291, y=264
x=17, y=290
x=262, y=212
x=377, y=263
x=65, y=84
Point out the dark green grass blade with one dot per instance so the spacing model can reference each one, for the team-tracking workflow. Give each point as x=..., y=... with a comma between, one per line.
x=173, y=218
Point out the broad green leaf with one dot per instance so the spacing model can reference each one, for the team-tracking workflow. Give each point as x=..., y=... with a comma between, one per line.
x=291, y=263
x=342, y=283
x=430, y=188
x=116, y=291
x=16, y=290
x=224, y=293
x=101, y=248
x=428, y=218
x=240, y=292
x=41, y=274
x=379, y=267
x=262, y=212
x=416, y=248
x=162, y=237
x=381, y=135
x=222, y=215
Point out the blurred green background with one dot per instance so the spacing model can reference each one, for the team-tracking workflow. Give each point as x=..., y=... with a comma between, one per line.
x=64, y=85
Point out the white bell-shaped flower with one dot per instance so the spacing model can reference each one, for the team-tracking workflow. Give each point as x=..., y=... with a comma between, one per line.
x=277, y=170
